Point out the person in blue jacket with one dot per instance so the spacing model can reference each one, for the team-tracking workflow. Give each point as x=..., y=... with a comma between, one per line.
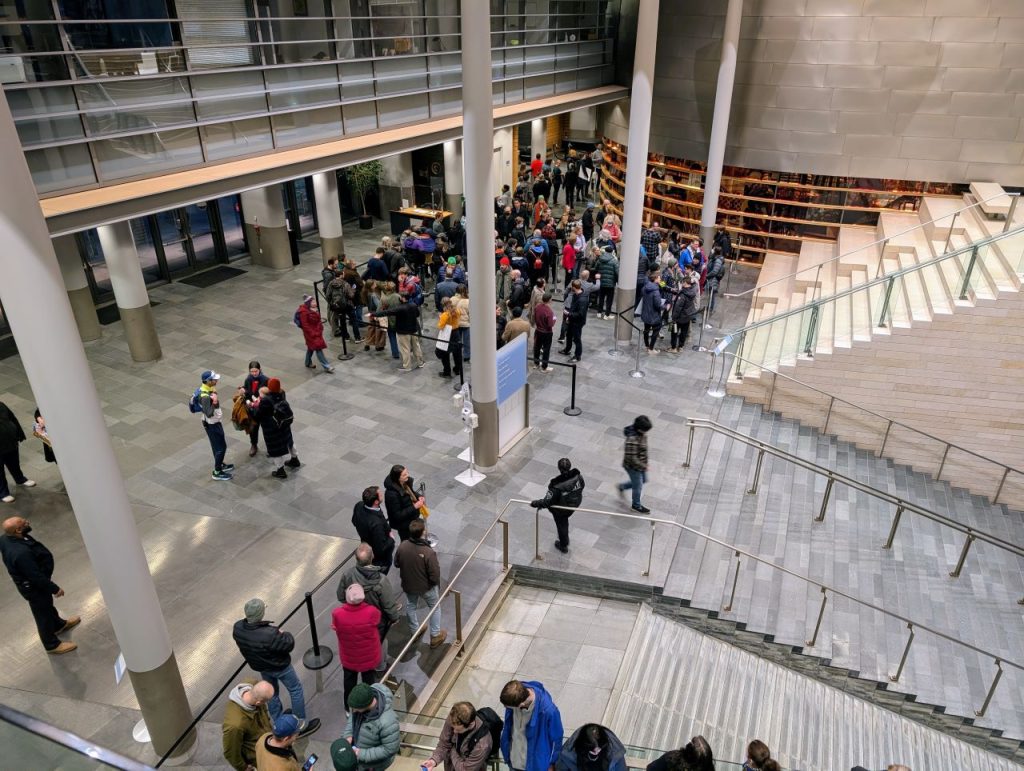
x=531, y=738
x=592, y=748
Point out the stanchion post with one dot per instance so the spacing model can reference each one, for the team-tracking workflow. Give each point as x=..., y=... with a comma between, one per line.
x=318, y=656
x=345, y=355
x=572, y=410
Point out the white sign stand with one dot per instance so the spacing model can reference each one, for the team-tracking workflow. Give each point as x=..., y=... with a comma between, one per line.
x=470, y=477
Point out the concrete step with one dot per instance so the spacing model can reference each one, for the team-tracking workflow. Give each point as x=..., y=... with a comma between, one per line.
x=843, y=336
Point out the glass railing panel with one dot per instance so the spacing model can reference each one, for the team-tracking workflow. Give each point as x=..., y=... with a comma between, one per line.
x=975, y=283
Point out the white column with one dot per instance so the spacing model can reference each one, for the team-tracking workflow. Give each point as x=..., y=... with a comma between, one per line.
x=328, y=214
x=77, y=286
x=130, y=292
x=40, y=316
x=538, y=138
x=720, y=121
x=477, y=147
x=640, y=101
x=453, y=176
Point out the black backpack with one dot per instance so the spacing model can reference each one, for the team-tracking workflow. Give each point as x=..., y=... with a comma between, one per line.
x=492, y=724
x=283, y=415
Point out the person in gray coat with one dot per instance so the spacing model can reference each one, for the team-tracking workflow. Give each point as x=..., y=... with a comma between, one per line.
x=377, y=591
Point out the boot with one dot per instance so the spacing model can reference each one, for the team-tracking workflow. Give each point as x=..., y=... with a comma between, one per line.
x=292, y=462
x=438, y=641
x=279, y=473
x=70, y=624
x=64, y=647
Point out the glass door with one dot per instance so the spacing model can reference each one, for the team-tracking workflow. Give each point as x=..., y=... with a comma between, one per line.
x=170, y=227
x=199, y=230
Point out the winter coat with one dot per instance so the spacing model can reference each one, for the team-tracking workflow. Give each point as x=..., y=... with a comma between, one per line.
x=520, y=295
x=358, y=638
x=10, y=430
x=514, y=328
x=242, y=728
x=608, y=267
x=651, y=304
x=373, y=529
x=503, y=285
x=278, y=760
x=376, y=269
x=378, y=590
x=543, y=732
x=451, y=748
x=312, y=327
x=30, y=565
x=568, y=256
x=635, y=455
x=544, y=318
x=264, y=647
x=253, y=384
x=399, y=505
x=685, y=305
x=716, y=269
x=614, y=751
x=278, y=438
x=418, y=566
x=376, y=732
x=407, y=318
x=565, y=491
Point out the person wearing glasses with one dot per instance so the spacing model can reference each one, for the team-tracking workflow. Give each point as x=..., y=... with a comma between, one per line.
x=531, y=738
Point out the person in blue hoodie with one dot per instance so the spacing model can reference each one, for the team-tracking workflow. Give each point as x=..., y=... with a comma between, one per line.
x=531, y=738
x=592, y=748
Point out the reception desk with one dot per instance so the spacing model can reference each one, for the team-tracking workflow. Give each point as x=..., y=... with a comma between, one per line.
x=414, y=216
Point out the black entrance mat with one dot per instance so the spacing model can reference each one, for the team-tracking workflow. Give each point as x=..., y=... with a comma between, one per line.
x=212, y=276
x=108, y=314
x=307, y=246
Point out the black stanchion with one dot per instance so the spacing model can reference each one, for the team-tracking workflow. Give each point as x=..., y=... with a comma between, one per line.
x=345, y=355
x=572, y=410
x=704, y=322
x=318, y=656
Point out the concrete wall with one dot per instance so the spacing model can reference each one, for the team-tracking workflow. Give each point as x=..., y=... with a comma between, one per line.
x=914, y=89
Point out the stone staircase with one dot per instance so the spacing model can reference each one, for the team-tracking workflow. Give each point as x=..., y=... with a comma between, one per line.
x=945, y=332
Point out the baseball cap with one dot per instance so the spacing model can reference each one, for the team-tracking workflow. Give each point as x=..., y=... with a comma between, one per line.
x=209, y=374
x=286, y=725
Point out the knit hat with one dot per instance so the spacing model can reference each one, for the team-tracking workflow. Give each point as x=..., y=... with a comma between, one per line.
x=361, y=697
x=354, y=594
x=286, y=725
x=342, y=756
x=307, y=299
x=451, y=260
x=274, y=384
x=254, y=610
x=590, y=204
x=504, y=262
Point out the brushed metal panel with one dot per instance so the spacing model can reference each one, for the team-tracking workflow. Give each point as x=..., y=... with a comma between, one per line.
x=965, y=30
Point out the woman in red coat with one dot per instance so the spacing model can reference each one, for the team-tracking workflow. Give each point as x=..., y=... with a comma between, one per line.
x=356, y=623
x=307, y=318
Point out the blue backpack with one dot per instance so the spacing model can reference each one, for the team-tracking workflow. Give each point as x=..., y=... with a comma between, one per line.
x=194, y=405
x=417, y=296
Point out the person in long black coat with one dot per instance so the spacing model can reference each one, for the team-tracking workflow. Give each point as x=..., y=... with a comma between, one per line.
x=402, y=503
x=11, y=435
x=277, y=435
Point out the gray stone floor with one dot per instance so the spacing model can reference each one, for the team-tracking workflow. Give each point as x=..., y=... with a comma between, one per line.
x=350, y=428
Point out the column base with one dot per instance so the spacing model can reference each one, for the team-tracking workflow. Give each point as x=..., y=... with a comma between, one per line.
x=164, y=706
x=332, y=247
x=485, y=436
x=84, y=309
x=270, y=248
x=140, y=331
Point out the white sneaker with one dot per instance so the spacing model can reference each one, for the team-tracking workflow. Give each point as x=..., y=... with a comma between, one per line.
x=28, y=483
x=7, y=499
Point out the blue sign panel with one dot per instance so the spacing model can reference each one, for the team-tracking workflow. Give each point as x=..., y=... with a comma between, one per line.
x=511, y=359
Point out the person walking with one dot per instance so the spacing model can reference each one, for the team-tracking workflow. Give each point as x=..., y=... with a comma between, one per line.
x=635, y=461
x=307, y=318
x=267, y=650
x=544, y=332
x=246, y=719
x=275, y=416
x=531, y=737
x=378, y=592
x=372, y=728
x=355, y=623
x=30, y=565
x=564, y=496
x=373, y=528
x=212, y=418
x=420, y=572
x=11, y=435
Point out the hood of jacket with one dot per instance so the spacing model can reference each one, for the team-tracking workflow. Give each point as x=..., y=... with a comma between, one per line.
x=630, y=431
x=236, y=696
x=616, y=750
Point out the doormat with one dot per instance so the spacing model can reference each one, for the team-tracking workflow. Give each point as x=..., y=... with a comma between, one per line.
x=212, y=276
x=108, y=314
x=307, y=246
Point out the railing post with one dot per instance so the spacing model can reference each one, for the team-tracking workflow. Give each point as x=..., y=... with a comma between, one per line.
x=458, y=620
x=1009, y=214
x=892, y=530
x=689, y=448
x=828, y=415
x=885, y=439
x=735, y=578
x=739, y=356
x=536, y=535
x=771, y=395
x=949, y=234
x=572, y=410
x=650, y=552
x=757, y=472
x=821, y=615
x=318, y=656
x=903, y=659
x=963, y=555
x=967, y=274
x=942, y=464
x=504, y=545
x=812, y=333
x=1006, y=473
x=881, y=258
x=885, y=302
x=991, y=691
x=824, y=501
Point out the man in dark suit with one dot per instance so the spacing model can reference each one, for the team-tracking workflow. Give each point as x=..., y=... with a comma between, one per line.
x=31, y=567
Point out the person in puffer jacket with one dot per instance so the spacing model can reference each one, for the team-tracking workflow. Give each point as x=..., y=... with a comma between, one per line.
x=355, y=623
x=564, y=495
x=372, y=727
x=635, y=460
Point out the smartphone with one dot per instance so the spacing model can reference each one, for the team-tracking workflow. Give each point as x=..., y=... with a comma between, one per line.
x=423, y=489
x=310, y=762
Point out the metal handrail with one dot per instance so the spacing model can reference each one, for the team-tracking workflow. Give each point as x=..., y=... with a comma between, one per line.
x=759, y=287
x=890, y=422
x=902, y=505
x=826, y=589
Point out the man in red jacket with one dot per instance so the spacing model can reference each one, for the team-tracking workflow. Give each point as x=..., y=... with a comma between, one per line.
x=544, y=319
x=355, y=623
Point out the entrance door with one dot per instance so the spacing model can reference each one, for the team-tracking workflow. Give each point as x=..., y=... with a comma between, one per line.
x=497, y=169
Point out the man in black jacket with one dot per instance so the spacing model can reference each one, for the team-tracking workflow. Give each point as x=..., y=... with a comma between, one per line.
x=267, y=650
x=564, y=496
x=31, y=567
x=373, y=528
x=11, y=434
x=407, y=329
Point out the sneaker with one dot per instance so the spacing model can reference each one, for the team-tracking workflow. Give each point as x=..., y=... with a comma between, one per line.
x=653, y=351
x=576, y=358
x=447, y=375
x=641, y=509
x=227, y=467
x=547, y=369
x=27, y=483
x=405, y=369
x=292, y=462
x=64, y=647
x=438, y=640
x=311, y=366
x=421, y=365
x=329, y=370
x=7, y=499
x=307, y=727
x=221, y=476
x=70, y=624
x=280, y=473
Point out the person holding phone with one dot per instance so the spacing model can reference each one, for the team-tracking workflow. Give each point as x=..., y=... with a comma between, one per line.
x=403, y=504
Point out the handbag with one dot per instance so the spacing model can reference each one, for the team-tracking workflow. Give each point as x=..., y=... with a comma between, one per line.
x=444, y=335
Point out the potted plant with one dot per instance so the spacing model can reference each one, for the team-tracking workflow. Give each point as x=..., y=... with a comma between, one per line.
x=362, y=178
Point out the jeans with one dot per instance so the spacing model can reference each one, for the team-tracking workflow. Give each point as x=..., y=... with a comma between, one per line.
x=429, y=597
x=635, y=483
x=465, y=343
x=393, y=340
x=320, y=357
x=219, y=445
x=291, y=681
x=541, y=348
x=13, y=464
x=605, y=299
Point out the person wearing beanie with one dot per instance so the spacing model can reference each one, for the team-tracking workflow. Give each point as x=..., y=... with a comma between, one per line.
x=274, y=750
x=267, y=649
x=355, y=623
x=420, y=571
x=274, y=415
x=564, y=496
x=343, y=757
x=635, y=461
x=503, y=284
x=212, y=416
x=307, y=318
x=372, y=727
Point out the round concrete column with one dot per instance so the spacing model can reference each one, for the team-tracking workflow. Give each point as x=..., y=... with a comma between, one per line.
x=328, y=214
x=266, y=227
x=130, y=290
x=453, y=176
x=77, y=286
x=538, y=138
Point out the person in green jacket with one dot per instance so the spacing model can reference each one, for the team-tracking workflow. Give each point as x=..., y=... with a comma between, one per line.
x=246, y=719
x=372, y=726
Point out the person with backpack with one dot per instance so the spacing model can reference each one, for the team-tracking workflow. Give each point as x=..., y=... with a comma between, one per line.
x=307, y=318
x=206, y=403
x=339, y=294
x=564, y=496
x=468, y=739
x=275, y=417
